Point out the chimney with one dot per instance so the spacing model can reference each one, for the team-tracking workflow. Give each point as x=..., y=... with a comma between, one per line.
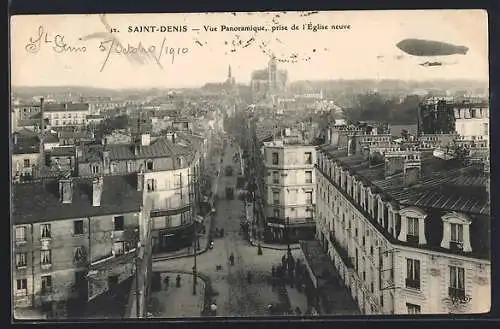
x=106, y=160
x=351, y=145
x=66, y=190
x=140, y=180
x=172, y=136
x=97, y=183
x=394, y=164
x=412, y=168
x=145, y=139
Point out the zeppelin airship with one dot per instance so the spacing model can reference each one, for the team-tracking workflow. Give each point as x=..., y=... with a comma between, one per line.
x=429, y=48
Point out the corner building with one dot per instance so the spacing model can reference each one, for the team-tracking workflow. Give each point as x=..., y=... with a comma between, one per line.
x=407, y=234
x=168, y=168
x=290, y=189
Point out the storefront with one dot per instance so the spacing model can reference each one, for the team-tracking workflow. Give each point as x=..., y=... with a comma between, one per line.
x=172, y=239
x=293, y=233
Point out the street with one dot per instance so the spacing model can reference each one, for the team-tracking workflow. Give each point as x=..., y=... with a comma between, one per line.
x=234, y=295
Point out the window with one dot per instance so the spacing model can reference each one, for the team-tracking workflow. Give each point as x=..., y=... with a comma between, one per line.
x=412, y=308
x=113, y=168
x=119, y=223
x=276, y=177
x=45, y=229
x=276, y=197
x=95, y=169
x=413, y=273
x=79, y=254
x=20, y=234
x=308, y=157
x=486, y=130
x=457, y=282
x=457, y=233
x=149, y=165
x=26, y=163
x=46, y=257
x=309, y=197
x=46, y=283
x=412, y=229
x=119, y=248
x=78, y=227
x=276, y=213
x=129, y=166
x=22, y=287
x=151, y=185
x=309, y=177
x=178, y=162
x=275, y=158
x=21, y=259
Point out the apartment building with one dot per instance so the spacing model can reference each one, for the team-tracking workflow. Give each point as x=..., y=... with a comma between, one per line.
x=25, y=154
x=170, y=167
x=73, y=239
x=67, y=114
x=289, y=184
x=408, y=232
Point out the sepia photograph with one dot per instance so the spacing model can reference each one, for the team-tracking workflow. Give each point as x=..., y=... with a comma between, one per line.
x=250, y=164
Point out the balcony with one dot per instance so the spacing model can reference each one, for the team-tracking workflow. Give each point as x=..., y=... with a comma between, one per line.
x=456, y=293
x=412, y=284
x=169, y=209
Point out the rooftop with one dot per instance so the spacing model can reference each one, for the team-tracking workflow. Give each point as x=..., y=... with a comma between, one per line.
x=162, y=147
x=25, y=142
x=444, y=186
x=63, y=151
x=51, y=107
x=39, y=201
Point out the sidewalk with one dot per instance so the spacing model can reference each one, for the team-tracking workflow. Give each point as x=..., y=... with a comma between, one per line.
x=178, y=302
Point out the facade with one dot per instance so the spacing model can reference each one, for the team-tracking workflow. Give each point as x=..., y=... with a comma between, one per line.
x=74, y=238
x=408, y=233
x=472, y=120
x=170, y=166
x=67, y=114
x=290, y=190
x=25, y=154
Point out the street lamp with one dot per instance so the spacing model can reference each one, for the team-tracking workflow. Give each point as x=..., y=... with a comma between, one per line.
x=287, y=223
x=138, y=259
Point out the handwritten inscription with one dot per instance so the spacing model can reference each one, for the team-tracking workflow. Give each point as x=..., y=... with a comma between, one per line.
x=57, y=43
x=113, y=47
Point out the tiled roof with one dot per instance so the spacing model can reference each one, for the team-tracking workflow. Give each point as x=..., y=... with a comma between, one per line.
x=39, y=201
x=159, y=148
x=444, y=186
x=66, y=107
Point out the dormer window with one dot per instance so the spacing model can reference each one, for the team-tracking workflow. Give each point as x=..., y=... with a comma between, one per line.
x=412, y=225
x=456, y=232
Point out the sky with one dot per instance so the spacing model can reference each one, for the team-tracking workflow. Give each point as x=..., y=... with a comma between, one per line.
x=366, y=50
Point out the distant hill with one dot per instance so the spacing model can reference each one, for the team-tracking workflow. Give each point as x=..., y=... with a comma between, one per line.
x=356, y=86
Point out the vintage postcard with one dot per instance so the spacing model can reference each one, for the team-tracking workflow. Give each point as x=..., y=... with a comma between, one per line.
x=250, y=164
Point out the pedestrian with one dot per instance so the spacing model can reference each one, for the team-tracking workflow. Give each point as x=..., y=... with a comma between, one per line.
x=249, y=277
x=298, y=311
x=273, y=272
x=178, y=281
x=213, y=308
x=166, y=282
x=283, y=260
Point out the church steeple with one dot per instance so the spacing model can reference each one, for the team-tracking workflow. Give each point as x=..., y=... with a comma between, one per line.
x=229, y=73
